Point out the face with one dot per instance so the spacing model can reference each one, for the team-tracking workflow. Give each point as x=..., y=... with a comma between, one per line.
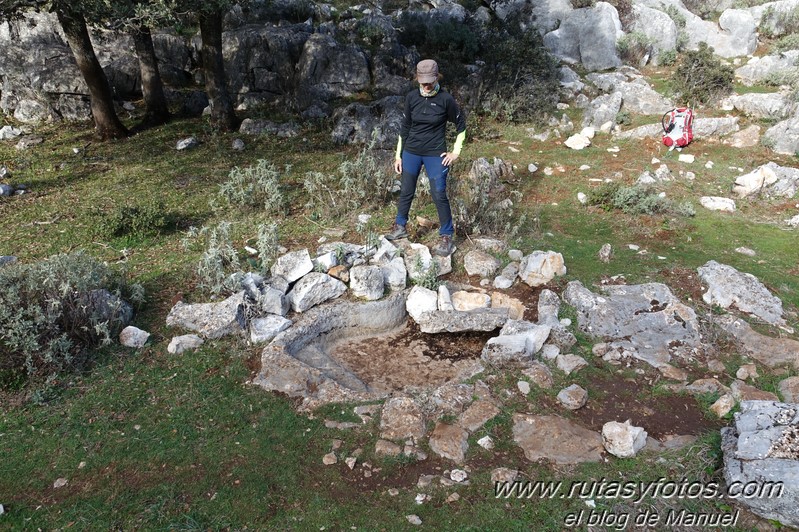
x=427, y=87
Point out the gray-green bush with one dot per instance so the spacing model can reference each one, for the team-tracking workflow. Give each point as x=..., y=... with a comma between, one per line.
x=701, y=77
x=51, y=317
x=636, y=200
x=359, y=183
x=255, y=187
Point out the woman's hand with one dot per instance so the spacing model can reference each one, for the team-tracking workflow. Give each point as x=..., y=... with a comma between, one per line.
x=449, y=158
x=398, y=165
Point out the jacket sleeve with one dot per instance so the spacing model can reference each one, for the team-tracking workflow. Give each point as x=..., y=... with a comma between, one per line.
x=405, y=127
x=455, y=115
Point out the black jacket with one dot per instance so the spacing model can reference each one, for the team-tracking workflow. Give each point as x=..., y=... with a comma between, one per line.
x=424, y=123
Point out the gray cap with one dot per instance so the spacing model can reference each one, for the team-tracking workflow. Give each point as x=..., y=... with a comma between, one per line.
x=427, y=71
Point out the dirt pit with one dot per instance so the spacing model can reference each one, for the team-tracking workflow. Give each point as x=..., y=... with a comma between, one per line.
x=409, y=358
x=614, y=398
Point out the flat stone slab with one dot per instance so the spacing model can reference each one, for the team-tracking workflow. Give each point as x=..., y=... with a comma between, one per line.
x=557, y=439
x=402, y=418
x=486, y=319
x=477, y=415
x=209, y=320
x=772, y=352
x=449, y=441
x=761, y=449
x=728, y=287
x=646, y=319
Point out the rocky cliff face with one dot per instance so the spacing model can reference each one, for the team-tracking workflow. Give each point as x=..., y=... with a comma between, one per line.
x=334, y=55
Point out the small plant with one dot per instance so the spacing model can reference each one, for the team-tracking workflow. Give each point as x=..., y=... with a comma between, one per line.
x=267, y=245
x=774, y=22
x=623, y=117
x=219, y=260
x=634, y=48
x=701, y=77
x=667, y=57
x=255, y=186
x=54, y=312
x=635, y=200
x=145, y=219
x=426, y=278
x=357, y=182
x=785, y=43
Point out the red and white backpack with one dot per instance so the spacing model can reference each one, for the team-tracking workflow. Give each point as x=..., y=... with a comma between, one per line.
x=677, y=127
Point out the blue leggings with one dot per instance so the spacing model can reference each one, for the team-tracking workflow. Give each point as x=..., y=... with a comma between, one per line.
x=437, y=173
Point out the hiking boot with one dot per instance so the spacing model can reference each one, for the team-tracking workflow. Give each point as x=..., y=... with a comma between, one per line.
x=445, y=247
x=397, y=232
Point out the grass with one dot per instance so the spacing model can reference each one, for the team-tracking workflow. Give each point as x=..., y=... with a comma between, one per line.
x=182, y=442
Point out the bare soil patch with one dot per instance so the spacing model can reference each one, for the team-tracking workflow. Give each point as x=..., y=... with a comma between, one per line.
x=613, y=398
x=409, y=357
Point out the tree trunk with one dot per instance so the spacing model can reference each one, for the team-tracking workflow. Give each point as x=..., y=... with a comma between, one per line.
x=151, y=86
x=223, y=115
x=105, y=118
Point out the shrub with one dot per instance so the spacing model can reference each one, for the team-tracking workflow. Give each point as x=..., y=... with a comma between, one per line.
x=255, y=186
x=147, y=218
x=219, y=260
x=785, y=43
x=701, y=77
x=667, y=57
x=634, y=47
x=775, y=22
x=267, y=245
x=635, y=200
x=520, y=77
x=482, y=205
x=359, y=182
x=52, y=313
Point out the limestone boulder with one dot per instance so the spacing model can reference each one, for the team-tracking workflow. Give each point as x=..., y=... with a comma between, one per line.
x=313, y=289
x=209, y=320
x=481, y=263
x=292, y=266
x=540, y=267
x=727, y=287
x=760, y=449
x=556, y=439
x=622, y=439
x=645, y=319
x=367, y=282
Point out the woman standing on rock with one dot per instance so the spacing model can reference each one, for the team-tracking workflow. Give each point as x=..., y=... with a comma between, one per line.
x=422, y=142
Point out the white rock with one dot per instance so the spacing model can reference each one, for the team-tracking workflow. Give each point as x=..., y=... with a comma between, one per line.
x=444, y=299
x=458, y=475
x=655, y=160
x=577, y=142
x=179, y=344
x=133, y=337
x=723, y=405
x=264, y=329
x=486, y=442
x=588, y=132
x=60, y=483
x=746, y=251
x=686, y=158
x=622, y=439
x=550, y=352
x=419, y=301
x=709, y=165
x=329, y=459
x=531, y=168
x=413, y=519
x=716, y=203
x=570, y=363
x=582, y=198
x=524, y=387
